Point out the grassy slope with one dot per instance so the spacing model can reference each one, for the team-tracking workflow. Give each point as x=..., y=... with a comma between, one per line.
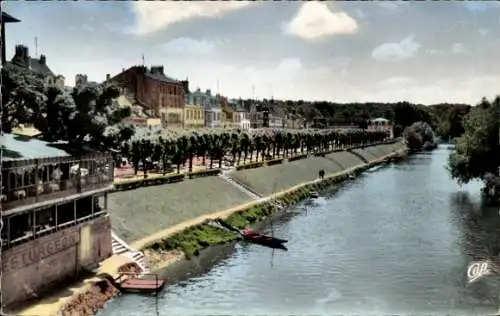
x=141, y=212
x=267, y=180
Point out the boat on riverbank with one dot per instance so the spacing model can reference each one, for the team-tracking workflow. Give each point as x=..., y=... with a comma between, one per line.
x=130, y=283
x=256, y=238
x=264, y=240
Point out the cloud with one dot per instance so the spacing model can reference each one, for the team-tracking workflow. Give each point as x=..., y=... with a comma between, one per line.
x=457, y=48
x=390, y=5
x=396, y=82
x=459, y=90
x=435, y=52
x=314, y=20
x=186, y=45
x=391, y=52
x=154, y=16
x=483, y=32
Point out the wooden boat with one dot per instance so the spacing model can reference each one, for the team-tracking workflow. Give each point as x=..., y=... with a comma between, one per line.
x=141, y=286
x=256, y=238
x=264, y=240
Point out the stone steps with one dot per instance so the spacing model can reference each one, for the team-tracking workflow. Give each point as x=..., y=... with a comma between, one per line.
x=120, y=247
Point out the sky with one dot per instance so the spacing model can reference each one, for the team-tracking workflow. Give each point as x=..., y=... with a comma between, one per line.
x=421, y=52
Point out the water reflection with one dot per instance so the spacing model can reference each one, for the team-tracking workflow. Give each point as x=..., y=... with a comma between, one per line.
x=397, y=241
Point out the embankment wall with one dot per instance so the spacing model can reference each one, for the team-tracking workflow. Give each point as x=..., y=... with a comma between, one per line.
x=39, y=265
x=138, y=213
x=268, y=180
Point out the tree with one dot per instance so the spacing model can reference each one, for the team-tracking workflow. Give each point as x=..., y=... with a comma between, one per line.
x=86, y=116
x=420, y=136
x=23, y=97
x=477, y=151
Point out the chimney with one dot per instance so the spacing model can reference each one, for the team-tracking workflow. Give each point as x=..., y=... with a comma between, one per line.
x=108, y=76
x=43, y=60
x=21, y=56
x=160, y=70
x=209, y=92
x=185, y=85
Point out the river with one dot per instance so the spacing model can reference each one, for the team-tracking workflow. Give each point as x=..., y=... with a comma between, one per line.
x=394, y=241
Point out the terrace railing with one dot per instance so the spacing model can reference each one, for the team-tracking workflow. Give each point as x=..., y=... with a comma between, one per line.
x=26, y=182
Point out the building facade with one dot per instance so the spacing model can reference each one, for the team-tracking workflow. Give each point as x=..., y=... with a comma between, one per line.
x=142, y=121
x=55, y=217
x=164, y=96
x=241, y=117
x=211, y=106
x=194, y=115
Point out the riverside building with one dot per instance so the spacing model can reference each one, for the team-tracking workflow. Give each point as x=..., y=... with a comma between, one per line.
x=54, y=211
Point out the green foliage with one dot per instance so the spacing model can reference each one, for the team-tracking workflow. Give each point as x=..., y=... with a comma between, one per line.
x=450, y=118
x=197, y=238
x=477, y=151
x=23, y=97
x=420, y=135
x=86, y=116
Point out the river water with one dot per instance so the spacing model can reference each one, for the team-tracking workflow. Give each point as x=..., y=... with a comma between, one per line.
x=394, y=241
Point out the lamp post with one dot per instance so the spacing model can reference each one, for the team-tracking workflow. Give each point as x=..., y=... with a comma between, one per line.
x=6, y=18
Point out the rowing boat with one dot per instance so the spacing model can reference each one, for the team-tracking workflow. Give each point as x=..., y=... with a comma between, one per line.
x=256, y=238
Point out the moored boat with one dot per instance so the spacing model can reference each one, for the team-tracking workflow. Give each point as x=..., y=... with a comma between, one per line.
x=264, y=240
x=141, y=286
x=256, y=238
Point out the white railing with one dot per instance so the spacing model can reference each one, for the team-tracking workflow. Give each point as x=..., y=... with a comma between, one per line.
x=136, y=256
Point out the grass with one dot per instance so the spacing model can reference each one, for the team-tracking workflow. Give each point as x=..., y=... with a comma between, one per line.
x=268, y=180
x=144, y=211
x=194, y=239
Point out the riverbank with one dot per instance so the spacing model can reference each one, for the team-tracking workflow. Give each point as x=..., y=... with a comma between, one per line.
x=176, y=245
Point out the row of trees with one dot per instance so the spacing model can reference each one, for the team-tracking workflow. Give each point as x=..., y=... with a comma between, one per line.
x=241, y=145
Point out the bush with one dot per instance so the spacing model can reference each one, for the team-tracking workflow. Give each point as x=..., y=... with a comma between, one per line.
x=203, y=173
x=252, y=165
x=298, y=157
x=134, y=184
x=275, y=162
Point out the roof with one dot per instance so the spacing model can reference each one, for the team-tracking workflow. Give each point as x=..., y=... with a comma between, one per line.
x=162, y=78
x=7, y=18
x=199, y=93
x=16, y=147
x=43, y=69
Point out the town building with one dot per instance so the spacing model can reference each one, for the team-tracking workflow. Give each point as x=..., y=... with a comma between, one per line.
x=266, y=115
x=39, y=66
x=210, y=105
x=277, y=118
x=151, y=88
x=381, y=124
x=142, y=121
x=226, y=112
x=54, y=212
x=194, y=115
x=241, y=117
